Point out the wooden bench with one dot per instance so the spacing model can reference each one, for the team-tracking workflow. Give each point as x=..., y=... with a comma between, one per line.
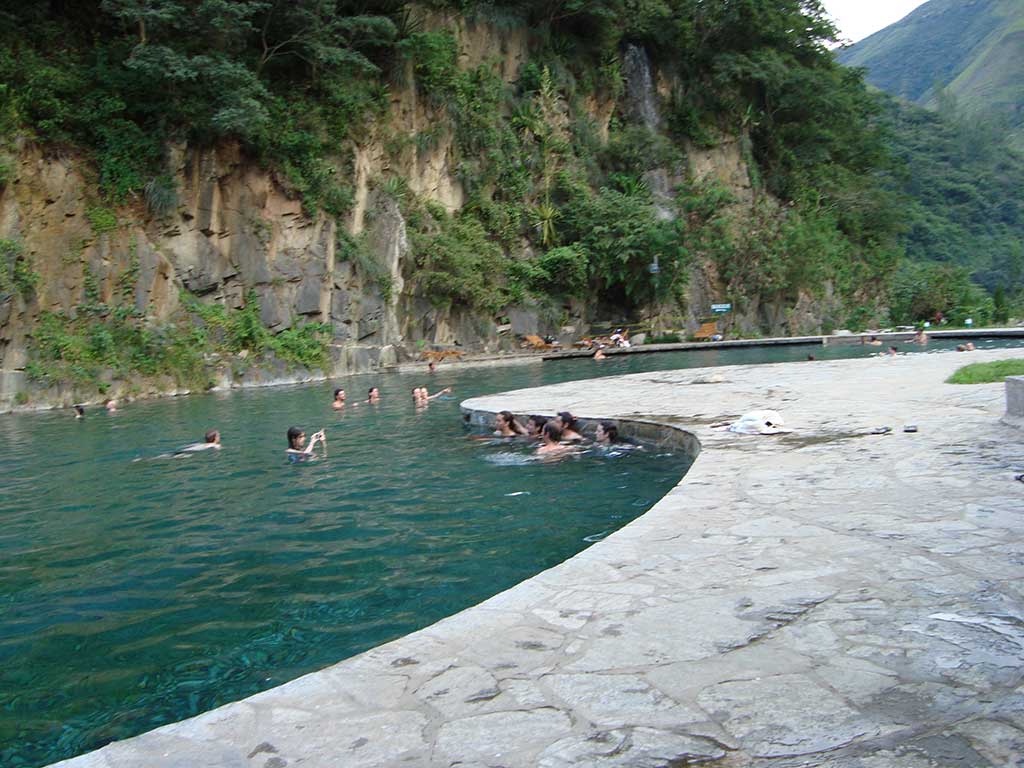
x=439, y=356
x=536, y=342
x=707, y=330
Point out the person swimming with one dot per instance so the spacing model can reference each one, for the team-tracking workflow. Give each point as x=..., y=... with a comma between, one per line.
x=373, y=395
x=567, y=424
x=79, y=411
x=339, y=399
x=211, y=440
x=296, y=452
x=506, y=425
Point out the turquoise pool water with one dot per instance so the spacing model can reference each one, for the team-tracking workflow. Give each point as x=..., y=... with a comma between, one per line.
x=136, y=593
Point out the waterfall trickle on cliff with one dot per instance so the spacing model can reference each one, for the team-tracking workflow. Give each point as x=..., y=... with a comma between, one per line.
x=641, y=100
x=642, y=108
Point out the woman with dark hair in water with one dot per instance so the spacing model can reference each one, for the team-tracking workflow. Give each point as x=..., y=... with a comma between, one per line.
x=506, y=425
x=535, y=425
x=296, y=437
x=607, y=433
x=567, y=424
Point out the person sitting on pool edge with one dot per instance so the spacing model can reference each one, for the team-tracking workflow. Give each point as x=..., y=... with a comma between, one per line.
x=296, y=452
x=506, y=425
x=551, y=440
x=339, y=399
x=566, y=423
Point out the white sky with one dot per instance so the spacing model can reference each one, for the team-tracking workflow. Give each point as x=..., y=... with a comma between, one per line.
x=857, y=19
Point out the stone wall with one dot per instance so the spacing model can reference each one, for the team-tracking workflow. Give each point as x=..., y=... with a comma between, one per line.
x=238, y=228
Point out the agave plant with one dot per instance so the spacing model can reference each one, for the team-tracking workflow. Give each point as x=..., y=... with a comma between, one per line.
x=544, y=217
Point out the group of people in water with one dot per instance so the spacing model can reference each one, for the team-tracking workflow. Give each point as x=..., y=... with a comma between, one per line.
x=553, y=436
x=300, y=450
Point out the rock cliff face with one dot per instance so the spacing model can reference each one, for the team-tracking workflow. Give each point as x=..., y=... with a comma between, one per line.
x=236, y=228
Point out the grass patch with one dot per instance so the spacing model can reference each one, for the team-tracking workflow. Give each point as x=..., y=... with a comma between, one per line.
x=987, y=373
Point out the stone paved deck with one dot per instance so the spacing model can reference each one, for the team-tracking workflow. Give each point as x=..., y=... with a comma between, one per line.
x=824, y=598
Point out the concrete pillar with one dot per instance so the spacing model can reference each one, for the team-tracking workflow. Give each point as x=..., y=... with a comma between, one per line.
x=1014, y=401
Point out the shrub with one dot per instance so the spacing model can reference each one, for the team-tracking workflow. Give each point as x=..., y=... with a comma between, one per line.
x=161, y=195
x=303, y=345
x=921, y=291
x=562, y=270
x=16, y=273
x=103, y=220
x=665, y=338
x=458, y=263
x=434, y=58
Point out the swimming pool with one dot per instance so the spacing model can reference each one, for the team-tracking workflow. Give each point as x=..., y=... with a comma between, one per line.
x=138, y=593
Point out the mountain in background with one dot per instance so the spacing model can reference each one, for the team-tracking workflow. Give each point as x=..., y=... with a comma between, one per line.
x=971, y=49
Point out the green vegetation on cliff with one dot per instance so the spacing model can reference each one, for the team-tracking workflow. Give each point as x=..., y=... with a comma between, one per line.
x=104, y=340
x=560, y=206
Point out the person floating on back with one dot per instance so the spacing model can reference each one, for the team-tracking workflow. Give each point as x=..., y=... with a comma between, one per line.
x=296, y=438
x=211, y=441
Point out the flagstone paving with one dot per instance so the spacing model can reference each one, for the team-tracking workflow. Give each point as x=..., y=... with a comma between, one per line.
x=822, y=598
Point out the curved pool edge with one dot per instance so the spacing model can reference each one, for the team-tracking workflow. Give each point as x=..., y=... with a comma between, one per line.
x=723, y=623
x=650, y=432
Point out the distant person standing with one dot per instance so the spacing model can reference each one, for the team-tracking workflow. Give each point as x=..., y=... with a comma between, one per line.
x=296, y=452
x=339, y=399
